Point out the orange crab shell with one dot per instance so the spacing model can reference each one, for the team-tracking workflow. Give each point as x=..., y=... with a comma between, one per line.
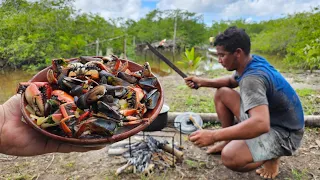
x=63, y=96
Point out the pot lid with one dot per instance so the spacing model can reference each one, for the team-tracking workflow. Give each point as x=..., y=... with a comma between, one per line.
x=165, y=108
x=187, y=126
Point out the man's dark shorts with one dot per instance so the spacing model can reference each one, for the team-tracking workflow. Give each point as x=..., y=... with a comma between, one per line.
x=275, y=143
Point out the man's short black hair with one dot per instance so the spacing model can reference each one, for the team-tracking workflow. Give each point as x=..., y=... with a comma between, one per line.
x=233, y=38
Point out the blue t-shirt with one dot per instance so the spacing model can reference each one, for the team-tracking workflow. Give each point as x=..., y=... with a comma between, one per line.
x=261, y=83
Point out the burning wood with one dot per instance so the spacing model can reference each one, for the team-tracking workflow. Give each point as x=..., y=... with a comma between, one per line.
x=149, y=154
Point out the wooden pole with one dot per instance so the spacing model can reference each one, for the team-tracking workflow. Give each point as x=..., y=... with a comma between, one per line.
x=125, y=47
x=310, y=120
x=174, y=33
x=97, y=47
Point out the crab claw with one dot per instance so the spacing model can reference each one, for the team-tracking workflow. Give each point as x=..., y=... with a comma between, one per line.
x=146, y=72
x=139, y=93
x=51, y=77
x=97, y=126
x=133, y=121
x=123, y=66
x=59, y=65
x=98, y=64
x=92, y=74
x=35, y=99
x=134, y=96
x=62, y=96
x=95, y=94
x=129, y=112
x=127, y=77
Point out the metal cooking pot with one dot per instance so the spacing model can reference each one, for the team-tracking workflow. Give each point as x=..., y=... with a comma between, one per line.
x=161, y=120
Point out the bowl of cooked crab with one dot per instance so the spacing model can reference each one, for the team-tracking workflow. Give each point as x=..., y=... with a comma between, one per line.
x=91, y=100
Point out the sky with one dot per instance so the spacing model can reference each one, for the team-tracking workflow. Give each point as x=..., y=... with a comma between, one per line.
x=212, y=10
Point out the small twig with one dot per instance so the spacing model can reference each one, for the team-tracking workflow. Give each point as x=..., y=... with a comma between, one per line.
x=182, y=174
x=195, y=159
x=313, y=176
x=46, y=167
x=8, y=159
x=208, y=166
x=50, y=162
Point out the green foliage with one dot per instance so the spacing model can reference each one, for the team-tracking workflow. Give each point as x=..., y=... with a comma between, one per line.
x=191, y=163
x=195, y=103
x=299, y=175
x=217, y=73
x=305, y=92
x=182, y=87
x=293, y=36
x=311, y=52
x=300, y=52
x=189, y=60
x=33, y=32
x=310, y=100
x=211, y=124
x=158, y=25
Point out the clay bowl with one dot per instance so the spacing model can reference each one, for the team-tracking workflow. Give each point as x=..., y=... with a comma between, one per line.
x=120, y=134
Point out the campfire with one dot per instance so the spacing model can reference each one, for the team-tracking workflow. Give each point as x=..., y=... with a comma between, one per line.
x=149, y=154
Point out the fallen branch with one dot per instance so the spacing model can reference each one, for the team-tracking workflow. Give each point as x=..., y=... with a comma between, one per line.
x=8, y=159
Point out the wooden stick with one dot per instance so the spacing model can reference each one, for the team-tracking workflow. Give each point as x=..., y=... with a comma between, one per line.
x=310, y=120
x=122, y=168
x=168, y=148
x=195, y=122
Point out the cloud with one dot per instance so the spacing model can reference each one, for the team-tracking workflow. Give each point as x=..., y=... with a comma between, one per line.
x=270, y=8
x=199, y=6
x=252, y=10
x=236, y=9
x=249, y=20
x=131, y=9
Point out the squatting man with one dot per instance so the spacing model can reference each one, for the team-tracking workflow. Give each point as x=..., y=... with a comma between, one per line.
x=269, y=116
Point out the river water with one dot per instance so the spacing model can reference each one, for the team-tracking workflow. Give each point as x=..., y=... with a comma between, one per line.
x=10, y=79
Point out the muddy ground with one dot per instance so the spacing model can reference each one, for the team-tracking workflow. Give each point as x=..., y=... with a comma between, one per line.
x=305, y=164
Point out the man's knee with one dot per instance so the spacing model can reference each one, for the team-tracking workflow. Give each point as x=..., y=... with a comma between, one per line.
x=231, y=159
x=228, y=159
x=222, y=92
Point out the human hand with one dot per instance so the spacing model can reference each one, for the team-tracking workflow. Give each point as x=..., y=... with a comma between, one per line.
x=193, y=82
x=17, y=138
x=202, y=138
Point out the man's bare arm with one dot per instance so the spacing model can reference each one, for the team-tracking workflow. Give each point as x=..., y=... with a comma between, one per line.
x=257, y=124
x=227, y=81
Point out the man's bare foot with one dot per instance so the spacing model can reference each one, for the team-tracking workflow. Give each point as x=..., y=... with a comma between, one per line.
x=270, y=169
x=217, y=147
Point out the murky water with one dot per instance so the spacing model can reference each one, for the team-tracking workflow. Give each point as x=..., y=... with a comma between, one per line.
x=9, y=81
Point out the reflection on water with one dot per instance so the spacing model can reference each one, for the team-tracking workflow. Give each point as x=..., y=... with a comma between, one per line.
x=9, y=81
x=159, y=68
x=209, y=62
